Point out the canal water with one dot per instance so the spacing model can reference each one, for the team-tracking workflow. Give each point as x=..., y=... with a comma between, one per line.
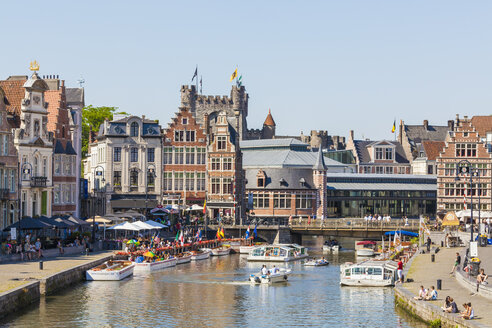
x=214, y=293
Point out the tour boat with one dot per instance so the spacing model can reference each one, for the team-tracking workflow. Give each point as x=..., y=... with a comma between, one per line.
x=369, y=273
x=314, y=262
x=246, y=249
x=111, y=270
x=155, y=266
x=278, y=253
x=221, y=251
x=200, y=255
x=365, y=248
x=280, y=276
x=184, y=258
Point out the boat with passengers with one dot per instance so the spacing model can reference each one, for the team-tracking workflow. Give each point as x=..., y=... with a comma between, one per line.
x=369, y=273
x=278, y=253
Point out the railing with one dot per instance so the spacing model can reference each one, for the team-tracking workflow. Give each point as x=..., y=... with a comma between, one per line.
x=39, y=182
x=4, y=193
x=355, y=224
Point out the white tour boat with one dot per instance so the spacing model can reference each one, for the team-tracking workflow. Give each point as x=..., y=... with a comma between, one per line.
x=246, y=249
x=314, y=262
x=111, y=270
x=200, y=255
x=365, y=248
x=155, y=266
x=369, y=273
x=279, y=275
x=184, y=258
x=278, y=253
x=221, y=251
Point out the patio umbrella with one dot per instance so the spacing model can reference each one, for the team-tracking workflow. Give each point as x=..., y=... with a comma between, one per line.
x=127, y=226
x=156, y=224
x=149, y=254
x=131, y=241
x=144, y=225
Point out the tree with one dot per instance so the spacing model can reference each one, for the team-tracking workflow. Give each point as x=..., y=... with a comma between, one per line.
x=92, y=118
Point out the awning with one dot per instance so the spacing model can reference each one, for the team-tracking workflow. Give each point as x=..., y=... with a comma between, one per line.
x=402, y=232
x=29, y=223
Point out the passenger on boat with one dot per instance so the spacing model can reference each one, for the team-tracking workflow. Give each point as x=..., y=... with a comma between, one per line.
x=264, y=270
x=275, y=269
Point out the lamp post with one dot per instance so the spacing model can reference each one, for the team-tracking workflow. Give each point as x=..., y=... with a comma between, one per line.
x=465, y=167
x=26, y=170
x=99, y=173
x=150, y=170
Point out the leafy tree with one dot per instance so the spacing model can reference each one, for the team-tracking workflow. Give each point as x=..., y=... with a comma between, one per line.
x=92, y=118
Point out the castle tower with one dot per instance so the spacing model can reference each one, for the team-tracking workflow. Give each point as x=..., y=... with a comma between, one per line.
x=319, y=180
x=268, y=131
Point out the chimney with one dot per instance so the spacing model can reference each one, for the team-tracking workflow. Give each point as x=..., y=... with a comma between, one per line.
x=400, y=133
x=351, y=134
x=426, y=125
x=451, y=125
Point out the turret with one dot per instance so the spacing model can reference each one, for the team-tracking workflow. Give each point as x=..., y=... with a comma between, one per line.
x=268, y=131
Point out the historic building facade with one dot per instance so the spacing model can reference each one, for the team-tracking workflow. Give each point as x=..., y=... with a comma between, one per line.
x=184, y=151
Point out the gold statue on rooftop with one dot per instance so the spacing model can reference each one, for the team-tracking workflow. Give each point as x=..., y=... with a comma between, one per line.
x=34, y=66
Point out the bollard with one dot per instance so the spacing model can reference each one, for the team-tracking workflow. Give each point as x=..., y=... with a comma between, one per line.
x=40, y=265
x=87, y=251
x=442, y=243
x=433, y=257
x=439, y=284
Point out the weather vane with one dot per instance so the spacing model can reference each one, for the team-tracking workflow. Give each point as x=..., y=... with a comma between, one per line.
x=34, y=66
x=81, y=81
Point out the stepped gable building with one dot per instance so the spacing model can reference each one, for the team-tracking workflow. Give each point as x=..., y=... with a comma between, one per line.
x=125, y=164
x=61, y=124
x=379, y=157
x=184, y=145
x=34, y=144
x=225, y=187
x=285, y=178
x=465, y=143
x=8, y=169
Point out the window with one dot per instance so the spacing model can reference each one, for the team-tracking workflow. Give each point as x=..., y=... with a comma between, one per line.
x=133, y=178
x=227, y=186
x=388, y=170
x=261, y=200
x=34, y=203
x=367, y=169
x=260, y=181
x=190, y=181
x=281, y=201
x=117, y=154
x=12, y=181
x=117, y=178
x=36, y=167
x=150, y=178
x=6, y=180
x=190, y=136
x=167, y=157
x=304, y=201
x=178, y=181
x=178, y=135
x=6, y=144
x=185, y=121
x=200, y=156
x=466, y=150
x=178, y=155
x=215, y=186
x=430, y=169
x=57, y=164
x=379, y=169
x=134, y=129
x=68, y=165
x=24, y=204
x=167, y=181
x=200, y=181
x=150, y=155
x=215, y=164
x=134, y=154
x=388, y=152
x=190, y=155
x=227, y=164
x=379, y=153
x=221, y=143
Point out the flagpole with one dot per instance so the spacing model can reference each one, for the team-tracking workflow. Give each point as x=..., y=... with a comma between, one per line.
x=196, y=78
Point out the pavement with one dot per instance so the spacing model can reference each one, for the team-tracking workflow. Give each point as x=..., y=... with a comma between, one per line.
x=15, y=274
x=424, y=272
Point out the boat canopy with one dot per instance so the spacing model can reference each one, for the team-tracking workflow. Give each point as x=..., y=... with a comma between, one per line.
x=402, y=232
x=366, y=242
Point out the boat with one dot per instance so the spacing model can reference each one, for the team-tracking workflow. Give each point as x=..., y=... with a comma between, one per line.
x=369, y=273
x=281, y=275
x=155, y=266
x=365, y=248
x=221, y=251
x=200, y=255
x=318, y=262
x=278, y=253
x=331, y=246
x=184, y=258
x=246, y=249
x=111, y=270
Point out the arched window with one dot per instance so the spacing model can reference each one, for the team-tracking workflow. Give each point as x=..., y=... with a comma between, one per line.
x=134, y=178
x=134, y=129
x=36, y=166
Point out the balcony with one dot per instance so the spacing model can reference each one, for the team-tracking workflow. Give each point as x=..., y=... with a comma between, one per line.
x=4, y=193
x=38, y=182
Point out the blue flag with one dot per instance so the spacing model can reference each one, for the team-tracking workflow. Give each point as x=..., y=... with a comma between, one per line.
x=247, y=233
x=254, y=232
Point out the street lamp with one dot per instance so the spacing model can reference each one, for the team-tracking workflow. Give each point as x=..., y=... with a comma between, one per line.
x=465, y=167
x=26, y=170
x=99, y=173
x=150, y=170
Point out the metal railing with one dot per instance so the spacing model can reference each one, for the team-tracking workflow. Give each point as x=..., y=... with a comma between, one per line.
x=355, y=224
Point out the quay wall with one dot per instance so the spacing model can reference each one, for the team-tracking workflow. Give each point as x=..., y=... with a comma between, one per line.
x=428, y=312
x=18, y=298
x=471, y=285
x=65, y=278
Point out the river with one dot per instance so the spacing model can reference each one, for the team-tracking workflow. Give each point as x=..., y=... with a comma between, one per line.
x=214, y=293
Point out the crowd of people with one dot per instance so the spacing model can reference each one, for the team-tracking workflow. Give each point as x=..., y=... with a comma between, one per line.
x=378, y=218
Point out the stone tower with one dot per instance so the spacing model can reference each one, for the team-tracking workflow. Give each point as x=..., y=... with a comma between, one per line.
x=319, y=180
x=268, y=131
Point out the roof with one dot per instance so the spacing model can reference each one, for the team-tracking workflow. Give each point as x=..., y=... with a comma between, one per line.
x=74, y=95
x=269, y=119
x=320, y=163
x=361, y=146
x=268, y=143
x=281, y=178
x=402, y=182
x=277, y=158
x=482, y=124
x=432, y=149
x=14, y=92
x=418, y=133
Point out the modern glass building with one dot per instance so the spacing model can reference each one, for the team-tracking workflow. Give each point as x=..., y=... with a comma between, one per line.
x=356, y=195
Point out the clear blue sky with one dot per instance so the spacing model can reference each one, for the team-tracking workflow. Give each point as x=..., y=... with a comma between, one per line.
x=332, y=65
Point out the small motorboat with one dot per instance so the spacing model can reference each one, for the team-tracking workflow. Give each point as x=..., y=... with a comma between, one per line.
x=184, y=258
x=221, y=251
x=365, y=248
x=155, y=266
x=111, y=270
x=200, y=255
x=331, y=246
x=273, y=276
x=318, y=262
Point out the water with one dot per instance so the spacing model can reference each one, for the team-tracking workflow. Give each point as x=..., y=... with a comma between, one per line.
x=214, y=293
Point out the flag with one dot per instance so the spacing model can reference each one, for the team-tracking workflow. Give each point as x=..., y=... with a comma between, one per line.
x=255, y=233
x=239, y=81
x=393, y=129
x=177, y=236
x=181, y=238
x=201, y=84
x=198, y=234
x=195, y=74
x=234, y=74
x=247, y=233
x=222, y=233
x=464, y=202
x=205, y=206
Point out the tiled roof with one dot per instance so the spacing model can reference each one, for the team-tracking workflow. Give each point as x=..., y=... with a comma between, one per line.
x=269, y=119
x=74, y=95
x=432, y=149
x=418, y=133
x=482, y=124
x=53, y=98
x=361, y=146
x=14, y=92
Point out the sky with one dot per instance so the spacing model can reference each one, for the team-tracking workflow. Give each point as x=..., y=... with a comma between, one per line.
x=318, y=65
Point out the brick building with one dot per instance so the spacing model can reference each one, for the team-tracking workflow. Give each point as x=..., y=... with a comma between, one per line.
x=184, y=144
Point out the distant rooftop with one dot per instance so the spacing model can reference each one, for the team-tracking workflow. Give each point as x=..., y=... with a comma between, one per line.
x=272, y=143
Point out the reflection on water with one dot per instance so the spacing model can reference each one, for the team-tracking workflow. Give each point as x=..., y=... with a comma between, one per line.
x=215, y=293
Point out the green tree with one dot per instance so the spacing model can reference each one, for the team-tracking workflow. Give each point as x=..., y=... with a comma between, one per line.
x=92, y=118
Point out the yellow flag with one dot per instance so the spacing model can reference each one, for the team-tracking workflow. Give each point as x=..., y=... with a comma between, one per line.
x=393, y=129
x=234, y=74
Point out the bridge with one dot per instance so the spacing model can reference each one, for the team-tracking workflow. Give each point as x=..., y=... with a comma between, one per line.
x=283, y=231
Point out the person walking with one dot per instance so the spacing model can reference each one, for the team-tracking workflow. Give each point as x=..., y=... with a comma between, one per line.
x=457, y=262
x=429, y=242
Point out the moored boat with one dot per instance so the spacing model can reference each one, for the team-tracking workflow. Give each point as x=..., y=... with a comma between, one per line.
x=200, y=255
x=365, y=248
x=155, y=266
x=246, y=249
x=318, y=262
x=221, y=251
x=369, y=273
x=183, y=258
x=273, y=276
x=278, y=253
x=111, y=270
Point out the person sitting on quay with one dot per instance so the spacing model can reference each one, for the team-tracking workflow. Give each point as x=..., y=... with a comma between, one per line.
x=468, y=313
x=482, y=277
x=422, y=294
x=431, y=295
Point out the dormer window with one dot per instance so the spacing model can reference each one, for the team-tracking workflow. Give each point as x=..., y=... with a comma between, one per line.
x=282, y=182
x=134, y=129
x=260, y=179
x=302, y=182
x=384, y=153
